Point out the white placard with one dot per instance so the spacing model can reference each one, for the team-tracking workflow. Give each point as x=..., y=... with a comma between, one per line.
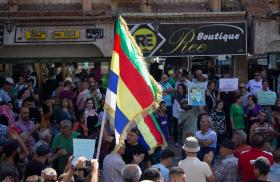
x=83, y=147
x=228, y=84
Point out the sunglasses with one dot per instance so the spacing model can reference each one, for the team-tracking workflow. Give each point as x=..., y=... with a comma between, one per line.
x=257, y=74
x=241, y=87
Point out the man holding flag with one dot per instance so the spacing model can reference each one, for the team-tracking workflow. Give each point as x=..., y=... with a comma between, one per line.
x=132, y=93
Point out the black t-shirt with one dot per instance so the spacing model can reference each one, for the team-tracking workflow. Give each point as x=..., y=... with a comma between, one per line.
x=34, y=167
x=131, y=150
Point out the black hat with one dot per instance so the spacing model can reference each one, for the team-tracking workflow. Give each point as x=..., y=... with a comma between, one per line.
x=228, y=143
x=43, y=150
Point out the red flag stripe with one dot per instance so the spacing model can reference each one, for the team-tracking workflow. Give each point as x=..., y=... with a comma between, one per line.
x=117, y=43
x=156, y=134
x=134, y=80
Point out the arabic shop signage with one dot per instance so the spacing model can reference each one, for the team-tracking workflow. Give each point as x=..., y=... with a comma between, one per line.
x=1, y=35
x=57, y=34
x=191, y=39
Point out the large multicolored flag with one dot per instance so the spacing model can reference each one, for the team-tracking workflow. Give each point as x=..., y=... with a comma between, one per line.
x=151, y=135
x=132, y=92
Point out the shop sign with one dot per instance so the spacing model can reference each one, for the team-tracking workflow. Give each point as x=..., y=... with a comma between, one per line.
x=1, y=35
x=191, y=39
x=57, y=34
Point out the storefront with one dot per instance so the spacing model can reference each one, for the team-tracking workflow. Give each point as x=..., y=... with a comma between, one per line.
x=212, y=47
x=65, y=48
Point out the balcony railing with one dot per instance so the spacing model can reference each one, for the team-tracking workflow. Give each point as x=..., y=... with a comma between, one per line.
x=51, y=7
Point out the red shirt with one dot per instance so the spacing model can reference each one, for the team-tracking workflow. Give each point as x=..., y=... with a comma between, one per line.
x=245, y=168
x=240, y=149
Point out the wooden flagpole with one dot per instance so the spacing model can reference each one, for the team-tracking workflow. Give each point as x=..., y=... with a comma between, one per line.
x=101, y=134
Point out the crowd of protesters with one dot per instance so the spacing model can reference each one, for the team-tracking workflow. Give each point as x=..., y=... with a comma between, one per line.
x=232, y=138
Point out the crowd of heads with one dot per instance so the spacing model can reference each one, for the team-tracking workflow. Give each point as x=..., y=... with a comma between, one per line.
x=37, y=131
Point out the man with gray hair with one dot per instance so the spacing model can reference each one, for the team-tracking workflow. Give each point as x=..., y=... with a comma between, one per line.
x=113, y=165
x=45, y=138
x=64, y=141
x=49, y=174
x=239, y=138
x=131, y=173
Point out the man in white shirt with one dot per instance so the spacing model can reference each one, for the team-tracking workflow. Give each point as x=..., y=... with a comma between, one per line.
x=255, y=84
x=195, y=169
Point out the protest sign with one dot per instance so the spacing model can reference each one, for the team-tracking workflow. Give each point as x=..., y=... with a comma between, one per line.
x=196, y=94
x=266, y=98
x=83, y=147
x=228, y=84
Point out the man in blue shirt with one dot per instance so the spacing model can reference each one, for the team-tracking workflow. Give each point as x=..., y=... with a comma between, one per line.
x=274, y=173
x=4, y=92
x=166, y=159
x=206, y=137
x=167, y=91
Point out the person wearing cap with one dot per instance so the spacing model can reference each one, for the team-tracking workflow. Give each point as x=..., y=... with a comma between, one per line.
x=195, y=170
x=6, y=88
x=228, y=169
x=245, y=168
x=261, y=167
x=135, y=153
x=36, y=165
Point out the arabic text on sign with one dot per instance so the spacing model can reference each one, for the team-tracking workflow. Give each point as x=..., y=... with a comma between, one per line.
x=34, y=35
x=68, y=34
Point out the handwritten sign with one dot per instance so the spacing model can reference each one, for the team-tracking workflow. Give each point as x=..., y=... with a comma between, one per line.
x=228, y=84
x=266, y=98
x=83, y=147
x=196, y=94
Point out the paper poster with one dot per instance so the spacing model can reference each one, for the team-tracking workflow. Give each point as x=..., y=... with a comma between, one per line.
x=228, y=84
x=196, y=94
x=83, y=147
x=266, y=98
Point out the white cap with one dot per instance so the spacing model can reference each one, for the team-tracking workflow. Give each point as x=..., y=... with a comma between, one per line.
x=9, y=80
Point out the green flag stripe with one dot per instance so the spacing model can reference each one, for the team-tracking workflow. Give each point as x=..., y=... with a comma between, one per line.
x=132, y=54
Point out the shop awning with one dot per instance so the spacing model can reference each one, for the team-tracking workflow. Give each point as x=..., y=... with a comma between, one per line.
x=43, y=53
